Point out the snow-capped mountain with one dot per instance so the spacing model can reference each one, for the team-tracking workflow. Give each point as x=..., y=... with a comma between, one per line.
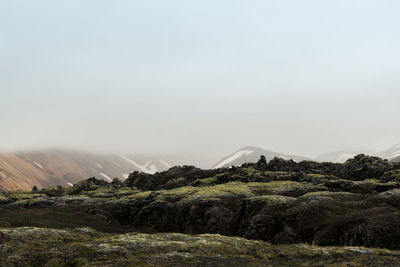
x=252, y=154
x=338, y=157
x=392, y=153
x=396, y=159
x=60, y=167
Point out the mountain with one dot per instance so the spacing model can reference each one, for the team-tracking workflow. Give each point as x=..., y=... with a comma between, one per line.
x=17, y=174
x=392, y=153
x=23, y=170
x=337, y=157
x=252, y=154
x=396, y=159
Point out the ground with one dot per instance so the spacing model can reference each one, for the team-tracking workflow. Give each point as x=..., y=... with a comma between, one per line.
x=279, y=213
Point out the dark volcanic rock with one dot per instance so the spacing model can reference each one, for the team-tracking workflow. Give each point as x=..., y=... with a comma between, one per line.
x=87, y=185
x=355, y=203
x=362, y=167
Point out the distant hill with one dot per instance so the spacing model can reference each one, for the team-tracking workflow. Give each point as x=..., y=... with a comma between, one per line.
x=252, y=154
x=396, y=159
x=20, y=171
x=338, y=157
x=17, y=174
x=392, y=153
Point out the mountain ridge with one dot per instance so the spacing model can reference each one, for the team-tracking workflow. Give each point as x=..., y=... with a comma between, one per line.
x=43, y=168
x=251, y=154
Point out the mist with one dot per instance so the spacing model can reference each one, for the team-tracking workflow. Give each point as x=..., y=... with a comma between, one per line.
x=200, y=79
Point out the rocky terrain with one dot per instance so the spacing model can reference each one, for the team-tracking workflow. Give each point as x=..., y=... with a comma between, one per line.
x=44, y=168
x=31, y=246
x=279, y=213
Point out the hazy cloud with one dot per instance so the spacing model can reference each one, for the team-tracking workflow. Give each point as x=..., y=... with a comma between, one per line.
x=203, y=77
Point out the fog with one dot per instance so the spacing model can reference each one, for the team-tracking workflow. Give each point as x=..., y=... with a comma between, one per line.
x=199, y=77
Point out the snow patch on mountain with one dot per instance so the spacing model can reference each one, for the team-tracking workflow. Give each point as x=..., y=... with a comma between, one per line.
x=150, y=167
x=105, y=176
x=235, y=156
x=344, y=157
x=37, y=164
x=147, y=168
x=390, y=153
x=165, y=164
x=116, y=163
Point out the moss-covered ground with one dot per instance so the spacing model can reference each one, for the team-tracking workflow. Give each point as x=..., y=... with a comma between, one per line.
x=264, y=214
x=29, y=246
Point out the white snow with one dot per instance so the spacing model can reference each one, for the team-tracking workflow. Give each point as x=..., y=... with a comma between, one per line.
x=37, y=164
x=152, y=169
x=70, y=184
x=166, y=164
x=98, y=165
x=105, y=176
x=116, y=163
x=235, y=156
x=390, y=153
x=140, y=167
x=125, y=175
x=343, y=157
x=393, y=155
x=147, y=168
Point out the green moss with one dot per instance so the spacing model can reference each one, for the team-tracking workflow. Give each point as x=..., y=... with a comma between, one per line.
x=316, y=175
x=206, y=181
x=21, y=195
x=374, y=182
x=279, y=175
x=85, y=251
x=273, y=199
x=176, y=181
x=328, y=193
x=139, y=195
x=187, y=193
x=229, y=190
x=177, y=194
x=283, y=188
x=80, y=247
x=121, y=192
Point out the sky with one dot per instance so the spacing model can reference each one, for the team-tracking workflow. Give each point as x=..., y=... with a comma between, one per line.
x=199, y=77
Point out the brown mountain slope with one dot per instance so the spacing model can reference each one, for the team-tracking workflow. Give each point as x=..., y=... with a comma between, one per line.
x=45, y=168
x=16, y=174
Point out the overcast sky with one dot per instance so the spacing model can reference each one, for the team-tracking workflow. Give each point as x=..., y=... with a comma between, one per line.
x=201, y=77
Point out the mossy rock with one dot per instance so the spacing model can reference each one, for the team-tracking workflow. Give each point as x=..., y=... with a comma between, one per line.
x=48, y=247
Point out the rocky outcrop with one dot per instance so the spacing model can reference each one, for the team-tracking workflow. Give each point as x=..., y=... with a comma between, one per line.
x=282, y=202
